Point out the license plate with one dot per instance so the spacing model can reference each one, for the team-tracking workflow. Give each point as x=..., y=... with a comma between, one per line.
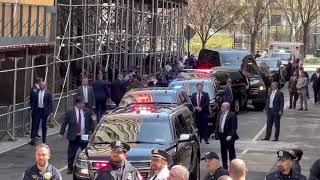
x=249, y=101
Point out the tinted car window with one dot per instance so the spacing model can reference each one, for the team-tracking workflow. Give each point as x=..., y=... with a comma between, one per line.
x=148, y=98
x=269, y=63
x=191, y=87
x=149, y=130
x=181, y=126
x=222, y=77
x=209, y=56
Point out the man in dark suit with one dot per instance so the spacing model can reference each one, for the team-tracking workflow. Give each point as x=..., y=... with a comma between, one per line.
x=200, y=101
x=101, y=92
x=226, y=132
x=118, y=89
x=80, y=126
x=34, y=90
x=87, y=93
x=228, y=95
x=42, y=107
x=315, y=80
x=274, y=110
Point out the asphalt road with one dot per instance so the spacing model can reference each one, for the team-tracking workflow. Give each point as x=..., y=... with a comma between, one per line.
x=298, y=130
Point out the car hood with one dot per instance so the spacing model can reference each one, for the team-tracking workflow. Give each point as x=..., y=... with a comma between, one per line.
x=138, y=152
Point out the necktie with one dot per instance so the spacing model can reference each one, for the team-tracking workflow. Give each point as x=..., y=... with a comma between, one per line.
x=79, y=123
x=199, y=99
x=154, y=178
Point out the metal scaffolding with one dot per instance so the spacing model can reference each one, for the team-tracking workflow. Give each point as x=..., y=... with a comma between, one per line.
x=84, y=37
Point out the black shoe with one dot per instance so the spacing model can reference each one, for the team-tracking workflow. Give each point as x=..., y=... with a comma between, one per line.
x=70, y=171
x=290, y=107
x=300, y=109
x=207, y=142
x=265, y=139
x=275, y=140
x=32, y=143
x=306, y=109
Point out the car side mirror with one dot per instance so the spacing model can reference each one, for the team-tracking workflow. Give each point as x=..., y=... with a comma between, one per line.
x=184, y=138
x=220, y=93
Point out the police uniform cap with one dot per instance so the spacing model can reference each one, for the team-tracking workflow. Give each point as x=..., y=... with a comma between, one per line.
x=284, y=155
x=120, y=146
x=160, y=154
x=210, y=156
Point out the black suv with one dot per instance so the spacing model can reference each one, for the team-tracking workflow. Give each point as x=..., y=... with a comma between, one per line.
x=240, y=85
x=144, y=127
x=156, y=95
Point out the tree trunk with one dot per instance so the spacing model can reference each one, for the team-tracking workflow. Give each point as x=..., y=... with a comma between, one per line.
x=305, y=39
x=203, y=43
x=253, y=42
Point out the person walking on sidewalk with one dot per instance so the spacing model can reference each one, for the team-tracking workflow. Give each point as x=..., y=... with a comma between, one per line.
x=274, y=110
x=292, y=88
x=315, y=80
x=80, y=125
x=302, y=87
x=86, y=91
x=42, y=169
x=42, y=107
x=34, y=90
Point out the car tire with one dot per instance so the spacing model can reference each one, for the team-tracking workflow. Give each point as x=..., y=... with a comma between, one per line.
x=195, y=175
x=237, y=106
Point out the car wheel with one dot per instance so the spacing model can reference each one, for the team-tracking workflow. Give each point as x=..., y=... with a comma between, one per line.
x=195, y=175
x=237, y=106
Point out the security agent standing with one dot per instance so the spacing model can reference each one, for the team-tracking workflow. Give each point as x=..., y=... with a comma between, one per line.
x=87, y=93
x=285, y=172
x=41, y=108
x=42, y=170
x=212, y=164
x=159, y=164
x=119, y=168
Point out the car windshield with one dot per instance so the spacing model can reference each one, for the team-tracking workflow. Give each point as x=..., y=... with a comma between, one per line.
x=284, y=56
x=233, y=59
x=145, y=97
x=191, y=87
x=132, y=129
x=269, y=63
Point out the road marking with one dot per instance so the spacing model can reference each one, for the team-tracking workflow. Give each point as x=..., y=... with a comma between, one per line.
x=62, y=169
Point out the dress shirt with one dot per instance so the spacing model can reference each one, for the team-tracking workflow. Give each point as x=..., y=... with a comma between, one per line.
x=231, y=92
x=85, y=94
x=223, y=121
x=273, y=94
x=82, y=119
x=40, y=99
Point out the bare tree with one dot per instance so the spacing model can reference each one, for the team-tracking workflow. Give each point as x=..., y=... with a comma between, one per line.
x=288, y=7
x=254, y=14
x=207, y=17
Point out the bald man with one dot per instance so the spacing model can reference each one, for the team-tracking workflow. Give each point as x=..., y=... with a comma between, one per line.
x=238, y=169
x=178, y=172
x=225, y=177
x=226, y=132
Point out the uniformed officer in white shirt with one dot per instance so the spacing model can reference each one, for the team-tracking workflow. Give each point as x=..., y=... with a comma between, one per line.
x=159, y=164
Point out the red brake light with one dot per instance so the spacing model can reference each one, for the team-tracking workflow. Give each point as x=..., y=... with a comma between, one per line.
x=100, y=165
x=143, y=109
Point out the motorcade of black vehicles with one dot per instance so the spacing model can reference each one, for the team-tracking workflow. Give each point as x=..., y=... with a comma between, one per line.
x=240, y=85
x=215, y=96
x=144, y=127
x=159, y=95
x=274, y=67
x=209, y=58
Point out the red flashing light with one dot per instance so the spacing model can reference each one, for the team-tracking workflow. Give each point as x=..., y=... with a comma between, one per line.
x=100, y=165
x=143, y=109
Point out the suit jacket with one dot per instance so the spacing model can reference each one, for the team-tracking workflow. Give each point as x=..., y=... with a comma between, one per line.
x=230, y=126
x=315, y=81
x=118, y=89
x=47, y=102
x=227, y=97
x=91, y=97
x=204, y=104
x=100, y=89
x=72, y=122
x=278, y=102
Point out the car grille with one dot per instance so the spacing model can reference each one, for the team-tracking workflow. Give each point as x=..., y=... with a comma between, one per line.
x=253, y=91
x=143, y=168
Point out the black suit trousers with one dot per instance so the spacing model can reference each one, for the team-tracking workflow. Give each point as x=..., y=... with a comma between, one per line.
x=73, y=148
x=227, y=146
x=39, y=116
x=273, y=117
x=316, y=92
x=101, y=107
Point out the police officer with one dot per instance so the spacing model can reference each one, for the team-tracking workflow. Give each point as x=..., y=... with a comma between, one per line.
x=43, y=170
x=119, y=168
x=159, y=164
x=212, y=164
x=285, y=172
